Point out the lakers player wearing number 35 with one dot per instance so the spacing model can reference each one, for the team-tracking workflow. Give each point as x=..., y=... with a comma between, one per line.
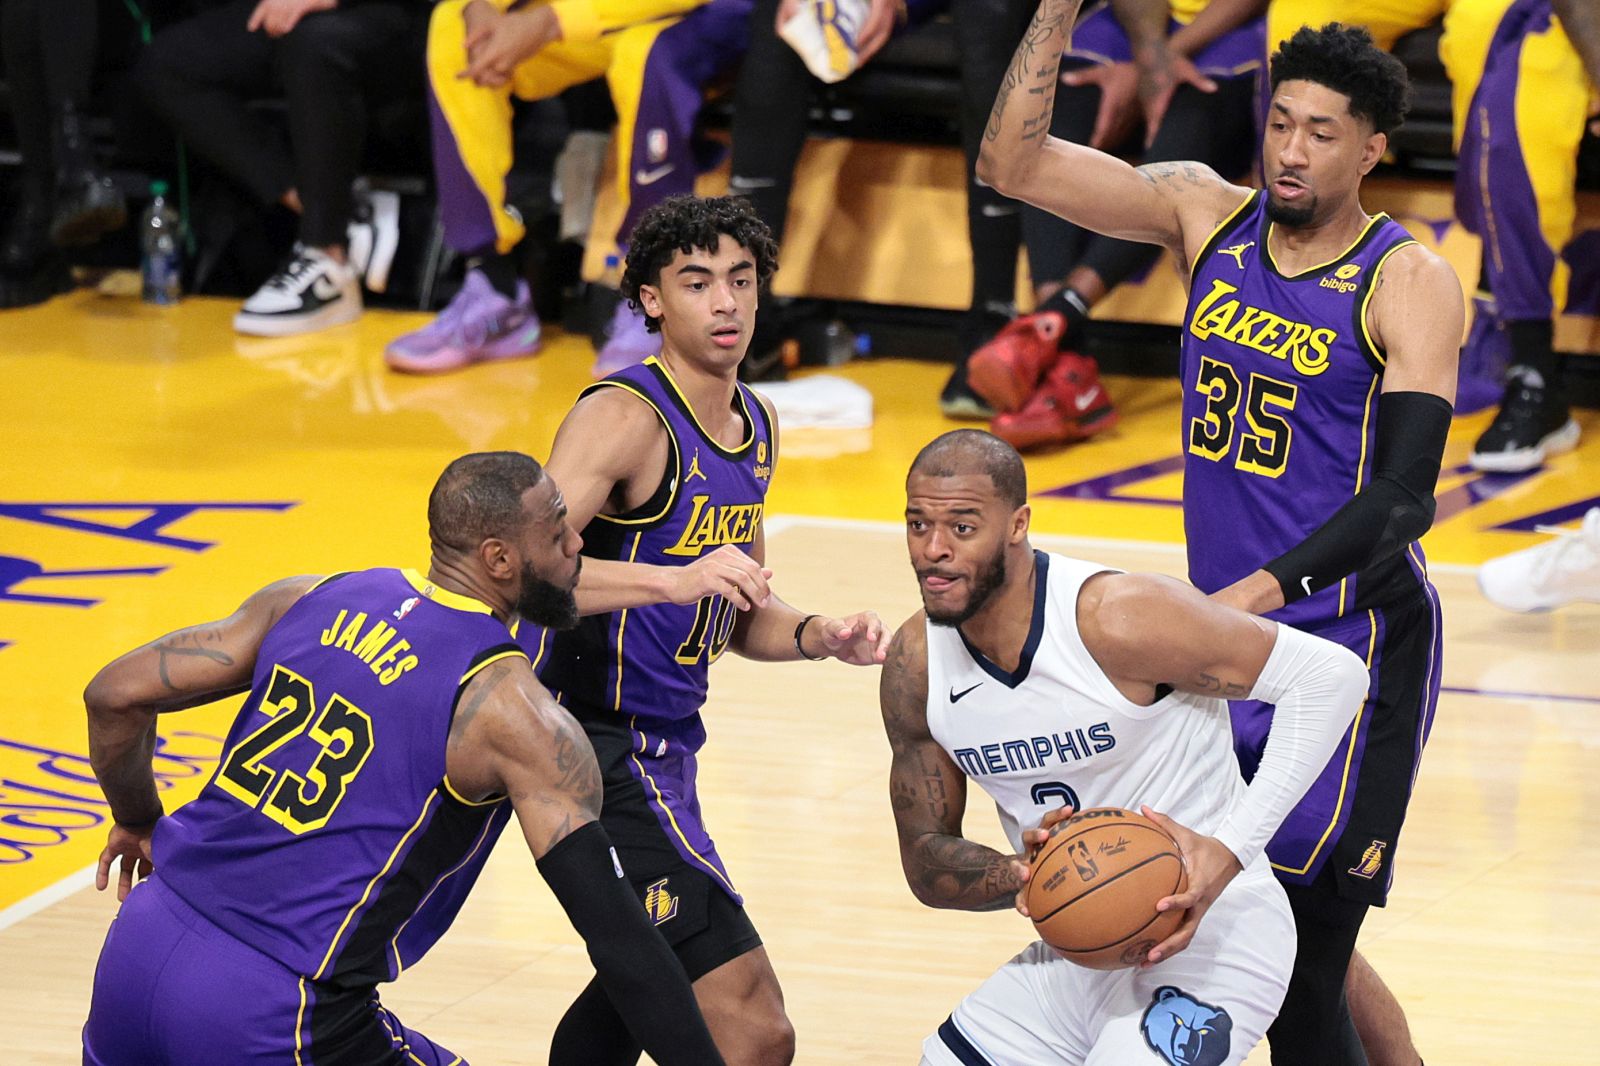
x=1319, y=372
x=665, y=467
x=1054, y=683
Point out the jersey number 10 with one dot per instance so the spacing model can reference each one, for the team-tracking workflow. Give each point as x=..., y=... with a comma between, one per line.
x=712, y=629
x=1266, y=434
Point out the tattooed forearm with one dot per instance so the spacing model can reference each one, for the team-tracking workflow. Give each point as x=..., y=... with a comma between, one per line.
x=202, y=642
x=1031, y=80
x=1216, y=686
x=957, y=874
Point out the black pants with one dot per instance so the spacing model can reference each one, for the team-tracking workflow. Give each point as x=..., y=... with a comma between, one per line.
x=49, y=51
x=1217, y=129
x=769, y=129
x=200, y=75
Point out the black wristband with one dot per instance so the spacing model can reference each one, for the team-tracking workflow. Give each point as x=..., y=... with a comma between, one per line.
x=798, y=631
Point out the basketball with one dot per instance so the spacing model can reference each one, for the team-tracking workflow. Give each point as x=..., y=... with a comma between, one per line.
x=1093, y=889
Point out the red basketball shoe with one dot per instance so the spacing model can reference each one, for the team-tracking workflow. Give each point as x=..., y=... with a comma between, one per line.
x=1070, y=406
x=1006, y=370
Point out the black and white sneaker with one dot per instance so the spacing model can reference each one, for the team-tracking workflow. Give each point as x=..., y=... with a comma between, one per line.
x=1530, y=427
x=311, y=292
x=373, y=234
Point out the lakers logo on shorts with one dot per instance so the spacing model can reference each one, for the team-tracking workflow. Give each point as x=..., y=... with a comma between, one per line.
x=659, y=904
x=1185, y=1031
x=1371, y=859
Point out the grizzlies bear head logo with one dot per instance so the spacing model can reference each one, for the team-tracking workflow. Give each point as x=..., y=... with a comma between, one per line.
x=1184, y=1031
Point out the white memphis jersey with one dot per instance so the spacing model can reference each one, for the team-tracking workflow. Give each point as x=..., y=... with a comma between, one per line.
x=1057, y=730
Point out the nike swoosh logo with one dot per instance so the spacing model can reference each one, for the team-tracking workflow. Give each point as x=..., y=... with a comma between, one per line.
x=650, y=177
x=955, y=697
x=1305, y=583
x=325, y=287
x=1086, y=400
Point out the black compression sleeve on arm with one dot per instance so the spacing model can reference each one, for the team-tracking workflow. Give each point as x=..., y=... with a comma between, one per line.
x=637, y=968
x=1391, y=511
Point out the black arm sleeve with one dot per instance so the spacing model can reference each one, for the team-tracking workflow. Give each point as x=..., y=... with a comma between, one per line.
x=1392, y=510
x=636, y=967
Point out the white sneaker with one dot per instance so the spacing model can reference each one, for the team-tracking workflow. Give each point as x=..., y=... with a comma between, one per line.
x=311, y=292
x=373, y=235
x=1559, y=571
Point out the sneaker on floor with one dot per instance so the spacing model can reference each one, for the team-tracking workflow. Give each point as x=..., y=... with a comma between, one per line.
x=1554, y=573
x=628, y=342
x=373, y=235
x=1071, y=405
x=311, y=292
x=1531, y=426
x=1007, y=370
x=478, y=325
x=1484, y=358
x=957, y=400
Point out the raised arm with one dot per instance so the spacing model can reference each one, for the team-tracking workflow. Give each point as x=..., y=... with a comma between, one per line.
x=1171, y=204
x=1145, y=630
x=183, y=669
x=610, y=455
x=1396, y=505
x=929, y=794
x=510, y=738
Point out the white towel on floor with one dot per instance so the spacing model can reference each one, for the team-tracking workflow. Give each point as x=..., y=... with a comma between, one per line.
x=822, y=401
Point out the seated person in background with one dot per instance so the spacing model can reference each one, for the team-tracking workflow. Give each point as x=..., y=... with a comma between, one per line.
x=656, y=56
x=773, y=98
x=325, y=58
x=1185, y=78
x=63, y=197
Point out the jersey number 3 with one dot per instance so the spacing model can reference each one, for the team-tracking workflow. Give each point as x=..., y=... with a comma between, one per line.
x=1264, y=438
x=299, y=804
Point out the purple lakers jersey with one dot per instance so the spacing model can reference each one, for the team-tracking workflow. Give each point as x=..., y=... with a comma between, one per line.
x=329, y=838
x=1281, y=388
x=651, y=663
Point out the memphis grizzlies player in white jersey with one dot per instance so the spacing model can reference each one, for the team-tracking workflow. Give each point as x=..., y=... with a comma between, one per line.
x=1056, y=683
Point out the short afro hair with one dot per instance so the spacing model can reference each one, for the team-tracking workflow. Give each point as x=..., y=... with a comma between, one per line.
x=1344, y=59
x=684, y=223
x=973, y=451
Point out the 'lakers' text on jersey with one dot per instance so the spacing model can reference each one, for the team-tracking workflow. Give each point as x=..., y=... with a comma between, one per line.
x=1281, y=386
x=1056, y=730
x=651, y=663
x=339, y=751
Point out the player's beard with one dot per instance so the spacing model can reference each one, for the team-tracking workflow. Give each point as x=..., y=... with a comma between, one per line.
x=545, y=603
x=986, y=581
x=1295, y=217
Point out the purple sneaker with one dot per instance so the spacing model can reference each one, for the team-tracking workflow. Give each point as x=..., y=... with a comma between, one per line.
x=628, y=342
x=479, y=324
x=1484, y=358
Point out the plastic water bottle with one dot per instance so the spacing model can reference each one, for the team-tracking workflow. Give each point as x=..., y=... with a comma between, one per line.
x=162, y=246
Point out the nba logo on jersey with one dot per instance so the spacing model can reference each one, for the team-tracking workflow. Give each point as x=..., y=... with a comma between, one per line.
x=659, y=904
x=406, y=607
x=656, y=144
x=1371, y=859
x=1184, y=1031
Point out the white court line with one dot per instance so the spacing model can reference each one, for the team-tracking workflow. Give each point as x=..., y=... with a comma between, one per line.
x=778, y=523
x=31, y=905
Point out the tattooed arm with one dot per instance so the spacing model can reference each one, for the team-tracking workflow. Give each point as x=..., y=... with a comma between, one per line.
x=929, y=794
x=509, y=738
x=1172, y=204
x=180, y=670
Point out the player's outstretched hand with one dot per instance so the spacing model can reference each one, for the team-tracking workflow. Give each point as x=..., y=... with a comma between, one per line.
x=1210, y=866
x=726, y=572
x=860, y=640
x=132, y=846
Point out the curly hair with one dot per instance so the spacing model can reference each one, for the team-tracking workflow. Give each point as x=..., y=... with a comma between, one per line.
x=683, y=224
x=1344, y=59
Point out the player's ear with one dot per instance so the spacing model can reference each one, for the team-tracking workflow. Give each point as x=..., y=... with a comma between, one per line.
x=650, y=300
x=498, y=559
x=1373, y=151
x=1020, y=518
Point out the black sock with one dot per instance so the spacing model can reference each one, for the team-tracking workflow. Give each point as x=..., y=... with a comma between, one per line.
x=1072, y=307
x=1533, y=347
x=501, y=271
